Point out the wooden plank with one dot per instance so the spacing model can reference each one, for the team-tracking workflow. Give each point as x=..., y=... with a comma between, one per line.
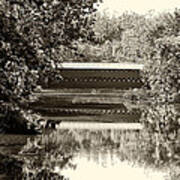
x=56, y=105
x=57, y=98
x=117, y=66
x=85, y=91
x=93, y=84
x=132, y=118
x=81, y=94
x=99, y=126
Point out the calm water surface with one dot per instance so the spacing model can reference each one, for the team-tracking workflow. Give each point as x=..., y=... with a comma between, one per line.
x=149, y=149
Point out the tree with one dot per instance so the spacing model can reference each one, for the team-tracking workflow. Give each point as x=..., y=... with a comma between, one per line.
x=32, y=33
x=107, y=28
x=162, y=67
x=123, y=38
x=134, y=41
x=107, y=36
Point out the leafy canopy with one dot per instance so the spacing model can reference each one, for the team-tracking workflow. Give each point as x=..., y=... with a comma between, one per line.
x=32, y=33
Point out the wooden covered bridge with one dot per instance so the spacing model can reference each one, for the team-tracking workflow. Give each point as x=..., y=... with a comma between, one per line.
x=99, y=75
x=91, y=92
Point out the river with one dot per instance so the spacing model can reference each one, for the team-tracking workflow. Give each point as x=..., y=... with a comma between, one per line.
x=144, y=147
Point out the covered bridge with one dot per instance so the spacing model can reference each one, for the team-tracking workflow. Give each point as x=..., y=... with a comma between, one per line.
x=99, y=75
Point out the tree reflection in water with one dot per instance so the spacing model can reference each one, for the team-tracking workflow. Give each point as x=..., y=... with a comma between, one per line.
x=47, y=155
x=163, y=126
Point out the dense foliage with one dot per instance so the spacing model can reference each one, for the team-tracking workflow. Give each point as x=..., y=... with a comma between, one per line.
x=118, y=39
x=32, y=35
x=152, y=40
x=162, y=67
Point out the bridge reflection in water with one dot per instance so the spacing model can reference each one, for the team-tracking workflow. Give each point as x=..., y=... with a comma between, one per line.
x=93, y=125
x=109, y=153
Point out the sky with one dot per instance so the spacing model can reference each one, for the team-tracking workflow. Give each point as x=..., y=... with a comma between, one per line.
x=117, y=7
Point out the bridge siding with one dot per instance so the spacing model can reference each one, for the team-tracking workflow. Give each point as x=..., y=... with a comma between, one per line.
x=98, y=78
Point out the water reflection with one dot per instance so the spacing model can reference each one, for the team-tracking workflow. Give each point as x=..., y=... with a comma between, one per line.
x=110, y=153
x=70, y=153
x=47, y=153
x=120, y=170
x=162, y=123
x=163, y=126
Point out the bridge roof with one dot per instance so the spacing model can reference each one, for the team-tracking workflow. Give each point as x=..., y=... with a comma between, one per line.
x=108, y=66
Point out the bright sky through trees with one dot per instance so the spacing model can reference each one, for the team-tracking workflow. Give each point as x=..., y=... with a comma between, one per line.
x=138, y=6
